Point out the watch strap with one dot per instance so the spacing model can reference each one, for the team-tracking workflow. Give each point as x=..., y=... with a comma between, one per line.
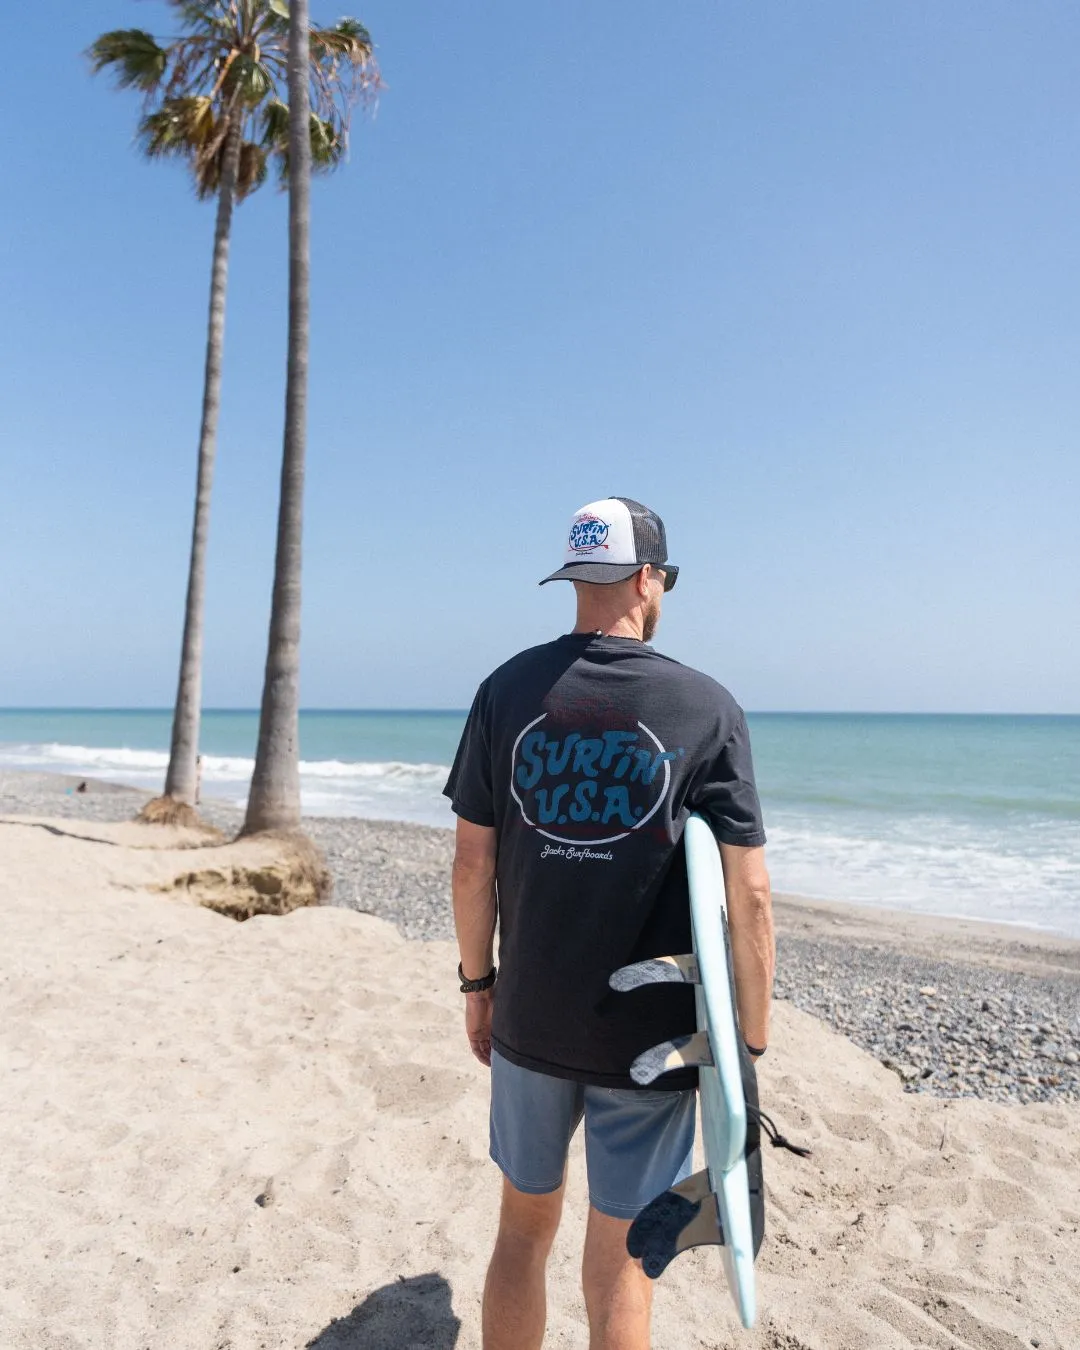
x=476, y=986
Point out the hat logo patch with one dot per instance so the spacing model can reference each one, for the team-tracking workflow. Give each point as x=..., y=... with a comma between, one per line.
x=588, y=533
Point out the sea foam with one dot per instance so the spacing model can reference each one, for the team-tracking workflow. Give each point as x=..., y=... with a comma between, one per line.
x=387, y=790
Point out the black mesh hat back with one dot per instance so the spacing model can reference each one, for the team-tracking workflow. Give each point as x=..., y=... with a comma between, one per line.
x=650, y=539
x=611, y=539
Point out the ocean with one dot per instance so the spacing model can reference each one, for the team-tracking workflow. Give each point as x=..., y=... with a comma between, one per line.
x=976, y=816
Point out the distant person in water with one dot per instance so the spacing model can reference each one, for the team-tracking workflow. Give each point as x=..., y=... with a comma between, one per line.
x=579, y=765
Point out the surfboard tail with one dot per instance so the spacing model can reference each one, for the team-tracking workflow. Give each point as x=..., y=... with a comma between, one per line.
x=690, y=1214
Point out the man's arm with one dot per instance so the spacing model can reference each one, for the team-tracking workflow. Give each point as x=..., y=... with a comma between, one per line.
x=475, y=912
x=753, y=945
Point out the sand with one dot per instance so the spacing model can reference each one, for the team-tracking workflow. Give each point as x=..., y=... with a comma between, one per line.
x=223, y=1136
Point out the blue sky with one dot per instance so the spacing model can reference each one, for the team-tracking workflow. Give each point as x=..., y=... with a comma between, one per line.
x=806, y=279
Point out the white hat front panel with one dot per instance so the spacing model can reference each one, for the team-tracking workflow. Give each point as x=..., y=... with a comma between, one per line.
x=601, y=532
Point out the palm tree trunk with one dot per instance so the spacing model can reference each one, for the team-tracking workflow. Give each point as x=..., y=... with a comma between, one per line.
x=274, y=800
x=181, y=778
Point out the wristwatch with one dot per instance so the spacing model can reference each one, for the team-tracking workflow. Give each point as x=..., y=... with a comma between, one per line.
x=476, y=986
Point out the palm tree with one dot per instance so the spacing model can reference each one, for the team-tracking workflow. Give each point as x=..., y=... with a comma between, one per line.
x=274, y=799
x=213, y=99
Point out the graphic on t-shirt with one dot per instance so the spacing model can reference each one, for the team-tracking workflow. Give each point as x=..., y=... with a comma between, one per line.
x=588, y=533
x=588, y=786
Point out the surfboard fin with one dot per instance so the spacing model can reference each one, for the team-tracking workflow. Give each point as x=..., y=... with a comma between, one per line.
x=684, y=1052
x=656, y=970
x=685, y=1216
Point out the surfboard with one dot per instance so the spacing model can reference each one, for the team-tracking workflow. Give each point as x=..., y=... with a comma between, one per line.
x=714, y=1205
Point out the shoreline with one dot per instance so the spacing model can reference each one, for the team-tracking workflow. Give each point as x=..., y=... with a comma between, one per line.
x=1013, y=946
x=1009, y=945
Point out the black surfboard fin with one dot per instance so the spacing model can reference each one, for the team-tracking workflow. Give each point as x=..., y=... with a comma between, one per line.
x=656, y=970
x=684, y=1052
x=685, y=1216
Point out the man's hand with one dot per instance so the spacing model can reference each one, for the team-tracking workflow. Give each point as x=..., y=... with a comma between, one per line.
x=478, y=1024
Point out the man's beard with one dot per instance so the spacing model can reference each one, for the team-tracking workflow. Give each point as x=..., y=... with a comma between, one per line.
x=652, y=619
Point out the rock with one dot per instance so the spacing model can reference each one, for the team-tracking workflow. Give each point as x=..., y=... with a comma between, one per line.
x=928, y=991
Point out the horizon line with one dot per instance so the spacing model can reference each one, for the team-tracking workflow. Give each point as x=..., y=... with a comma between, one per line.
x=753, y=712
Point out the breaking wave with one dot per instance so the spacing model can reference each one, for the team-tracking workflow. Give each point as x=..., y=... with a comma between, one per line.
x=388, y=790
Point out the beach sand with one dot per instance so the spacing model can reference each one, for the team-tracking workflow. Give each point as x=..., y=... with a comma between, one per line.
x=223, y=1136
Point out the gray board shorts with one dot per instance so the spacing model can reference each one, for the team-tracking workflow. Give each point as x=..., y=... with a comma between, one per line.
x=638, y=1143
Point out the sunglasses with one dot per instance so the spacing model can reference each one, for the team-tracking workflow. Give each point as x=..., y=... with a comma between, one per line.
x=670, y=572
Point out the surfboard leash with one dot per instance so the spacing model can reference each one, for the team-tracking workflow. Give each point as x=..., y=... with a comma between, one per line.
x=773, y=1134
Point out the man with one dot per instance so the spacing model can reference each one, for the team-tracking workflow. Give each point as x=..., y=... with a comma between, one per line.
x=577, y=769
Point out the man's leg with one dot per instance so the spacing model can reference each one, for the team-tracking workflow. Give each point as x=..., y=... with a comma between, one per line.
x=515, y=1296
x=618, y=1293
x=532, y=1119
x=637, y=1145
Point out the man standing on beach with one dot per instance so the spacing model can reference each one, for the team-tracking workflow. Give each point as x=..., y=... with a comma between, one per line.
x=577, y=769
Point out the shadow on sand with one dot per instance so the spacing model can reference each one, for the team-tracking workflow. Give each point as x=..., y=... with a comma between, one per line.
x=410, y=1314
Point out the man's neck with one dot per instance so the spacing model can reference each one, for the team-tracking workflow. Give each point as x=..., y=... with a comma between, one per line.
x=625, y=626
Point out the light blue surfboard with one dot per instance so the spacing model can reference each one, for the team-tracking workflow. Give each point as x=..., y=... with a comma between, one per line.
x=713, y=1206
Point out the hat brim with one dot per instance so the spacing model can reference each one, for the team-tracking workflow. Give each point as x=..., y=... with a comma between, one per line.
x=604, y=574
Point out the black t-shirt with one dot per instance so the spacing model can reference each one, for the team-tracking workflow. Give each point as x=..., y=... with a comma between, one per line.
x=587, y=755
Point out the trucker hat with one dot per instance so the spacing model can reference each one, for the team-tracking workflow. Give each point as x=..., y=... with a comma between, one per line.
x=610, y=540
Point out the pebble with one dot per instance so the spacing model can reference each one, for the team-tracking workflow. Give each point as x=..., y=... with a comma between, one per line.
x=979, y=1039
x=945, y=1027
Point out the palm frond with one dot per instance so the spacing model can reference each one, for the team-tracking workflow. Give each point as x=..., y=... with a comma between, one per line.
x=275, y=124
x=208, y=164
x=344, y=71
x=200, y=13
x=348, y=38
x=138, y=61
x=249, y=79
x=327, y=148
x=198, y=62
x=252, y=171
x=181, y=127
x=273, y=21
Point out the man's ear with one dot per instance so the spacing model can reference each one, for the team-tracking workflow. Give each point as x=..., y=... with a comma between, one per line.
x=641, y=579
